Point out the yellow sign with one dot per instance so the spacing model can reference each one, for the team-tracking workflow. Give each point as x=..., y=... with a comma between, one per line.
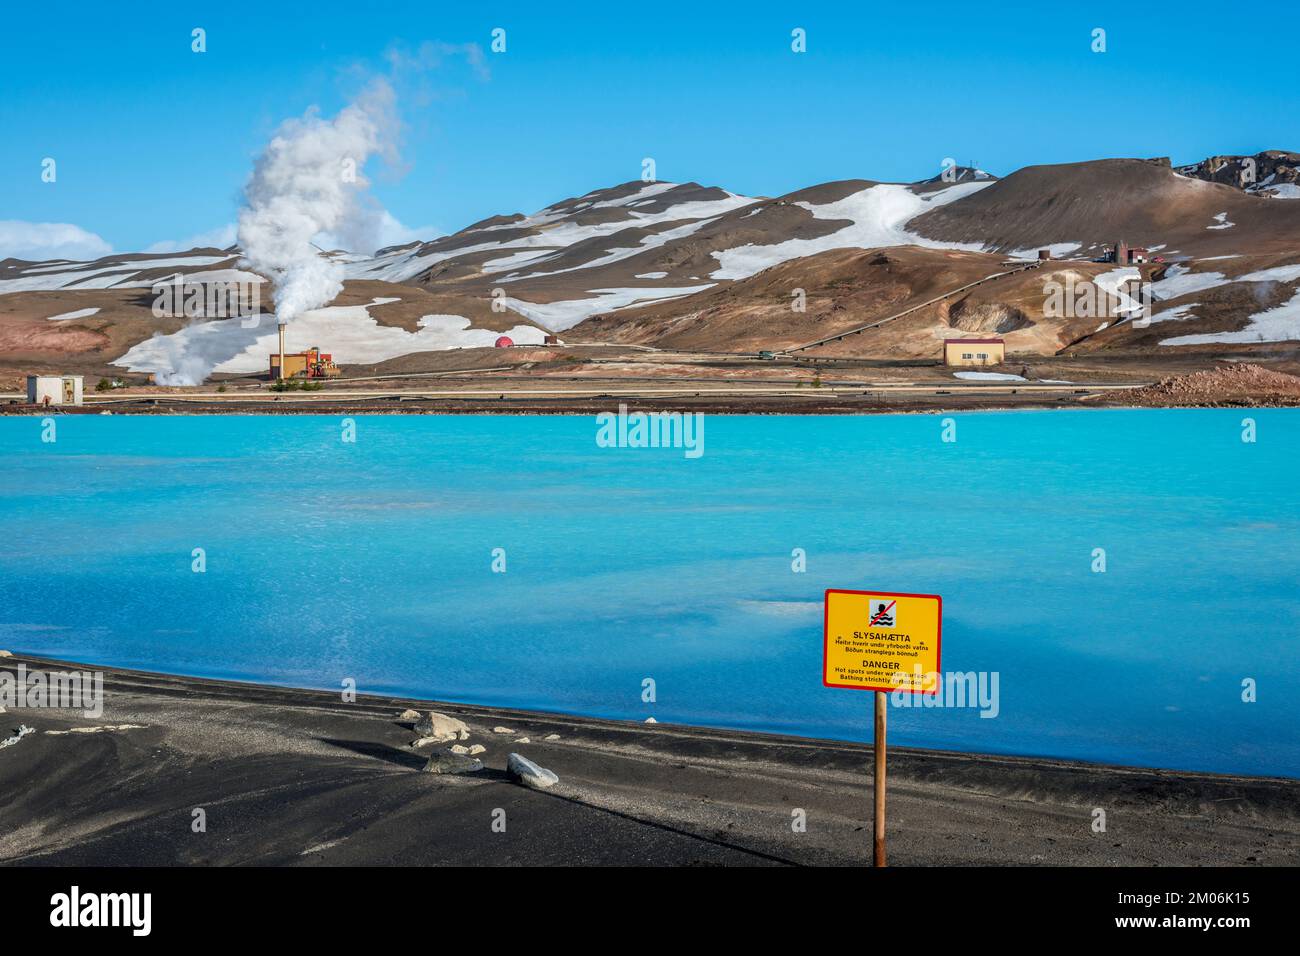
x=878, y=640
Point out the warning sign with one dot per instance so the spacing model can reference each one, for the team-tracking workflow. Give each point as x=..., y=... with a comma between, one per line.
x=878, y=640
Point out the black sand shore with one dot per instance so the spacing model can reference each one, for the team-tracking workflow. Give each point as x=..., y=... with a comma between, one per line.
x=299, y=777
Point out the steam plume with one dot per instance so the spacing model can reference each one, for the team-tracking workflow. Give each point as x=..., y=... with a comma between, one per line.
x=309, y=181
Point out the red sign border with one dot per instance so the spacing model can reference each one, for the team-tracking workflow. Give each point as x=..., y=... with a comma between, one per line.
x=826, y=636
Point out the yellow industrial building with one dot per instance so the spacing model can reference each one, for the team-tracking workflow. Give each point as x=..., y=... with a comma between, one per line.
x=974, y=351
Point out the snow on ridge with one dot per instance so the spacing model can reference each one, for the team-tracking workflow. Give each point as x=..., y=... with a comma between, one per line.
x=878, y=217
x=101, y=276
x=208, y=275
x=552, y=213
x=108, y=263
x=555, y=233
x=563, y=236
x=568, y=313
x=620, y=253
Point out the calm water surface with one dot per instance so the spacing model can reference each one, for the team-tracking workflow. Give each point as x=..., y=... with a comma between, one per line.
x=373, y=560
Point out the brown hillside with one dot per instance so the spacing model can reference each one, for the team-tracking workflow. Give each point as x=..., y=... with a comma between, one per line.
x=1097, y=203
x=847, y=288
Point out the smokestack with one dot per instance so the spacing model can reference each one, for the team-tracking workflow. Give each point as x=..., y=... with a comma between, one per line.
x=282, y=325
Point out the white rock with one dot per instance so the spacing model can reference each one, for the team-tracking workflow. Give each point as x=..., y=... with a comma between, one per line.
x=23, y=731
x=6, y=653
x=441, y=727
x=409, y=714
x=529, y=774
x=97, y=729
x=477, y=749
x=426, y=741
x=523, y=740
x=552, y=737
x=651, y=720
x=502, y=730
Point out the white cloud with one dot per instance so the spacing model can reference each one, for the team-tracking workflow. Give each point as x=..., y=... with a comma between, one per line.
x=218, y=238
x=38, y=241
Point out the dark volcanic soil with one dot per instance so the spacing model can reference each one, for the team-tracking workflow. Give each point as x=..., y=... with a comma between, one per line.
x=291, y=777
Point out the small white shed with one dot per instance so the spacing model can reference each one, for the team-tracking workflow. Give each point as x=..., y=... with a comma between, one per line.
x=54, y=389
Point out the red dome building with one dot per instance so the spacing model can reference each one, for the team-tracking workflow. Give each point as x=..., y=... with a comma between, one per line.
x=505, y=342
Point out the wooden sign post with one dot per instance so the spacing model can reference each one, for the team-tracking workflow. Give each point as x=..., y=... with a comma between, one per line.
x=885, y=642
x=878, y=828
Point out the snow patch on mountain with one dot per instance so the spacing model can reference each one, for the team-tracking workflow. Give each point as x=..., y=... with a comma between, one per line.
x=77, y=314
x=1058, y=250
x=1280, y=324
x=559, y=316
x=1180, y=281
x=102, y=274
x=235, y=346
x=1176, y=314
x=553, y=232
x=878, y=216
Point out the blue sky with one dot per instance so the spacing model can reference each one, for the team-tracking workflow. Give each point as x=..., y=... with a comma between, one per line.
x=154, y=142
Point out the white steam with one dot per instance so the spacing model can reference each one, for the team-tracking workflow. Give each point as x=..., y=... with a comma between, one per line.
x=309, y=181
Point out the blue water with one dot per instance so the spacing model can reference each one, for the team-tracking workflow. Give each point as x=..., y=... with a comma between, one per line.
x=373, y=560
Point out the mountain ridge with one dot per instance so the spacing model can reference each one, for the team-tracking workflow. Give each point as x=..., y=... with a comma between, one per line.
x=686, y=263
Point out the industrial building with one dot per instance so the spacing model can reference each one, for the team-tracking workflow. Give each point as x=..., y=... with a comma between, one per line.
x=312, y=363
x=1123, y=254
x=54, y=389
x=974, y=351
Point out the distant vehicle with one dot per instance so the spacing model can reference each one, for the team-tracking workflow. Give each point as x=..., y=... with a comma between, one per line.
x=767, y=356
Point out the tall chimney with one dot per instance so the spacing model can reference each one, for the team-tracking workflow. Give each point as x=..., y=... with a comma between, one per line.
x=282, y=350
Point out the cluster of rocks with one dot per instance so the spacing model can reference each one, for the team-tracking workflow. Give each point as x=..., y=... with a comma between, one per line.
x=1272, y=172
x=434, y=728
x=1237, y=384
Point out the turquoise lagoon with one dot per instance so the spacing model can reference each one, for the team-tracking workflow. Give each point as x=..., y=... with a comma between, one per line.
x=373, y=560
